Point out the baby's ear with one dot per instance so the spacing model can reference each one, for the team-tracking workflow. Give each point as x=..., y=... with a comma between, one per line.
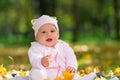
x=53, y=17
x=33, y=21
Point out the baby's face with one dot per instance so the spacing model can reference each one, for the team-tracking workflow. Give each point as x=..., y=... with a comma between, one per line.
x=47, y=35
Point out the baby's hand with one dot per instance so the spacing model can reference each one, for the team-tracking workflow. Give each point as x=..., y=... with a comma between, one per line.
x=45, y=61
x=70, y=69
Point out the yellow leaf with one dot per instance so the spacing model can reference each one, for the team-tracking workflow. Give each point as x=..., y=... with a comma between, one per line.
x=89, y=70
x=22, y=73
x=117, y=71
x=58, y=78
x=3, y=71
x=67, y=75
x=83, y=74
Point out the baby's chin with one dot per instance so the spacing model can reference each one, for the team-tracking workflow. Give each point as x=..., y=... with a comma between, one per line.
x=50, y=45
x=47, y=44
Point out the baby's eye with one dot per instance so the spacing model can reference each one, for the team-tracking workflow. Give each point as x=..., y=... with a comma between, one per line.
x=52, y=30
x=43, y=32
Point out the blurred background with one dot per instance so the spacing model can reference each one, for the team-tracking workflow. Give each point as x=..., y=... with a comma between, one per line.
x=91, y=27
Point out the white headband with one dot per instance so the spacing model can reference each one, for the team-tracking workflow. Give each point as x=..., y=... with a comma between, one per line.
x=44, y=19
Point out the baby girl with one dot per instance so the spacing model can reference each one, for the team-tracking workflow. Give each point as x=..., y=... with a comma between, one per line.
x=49, y=56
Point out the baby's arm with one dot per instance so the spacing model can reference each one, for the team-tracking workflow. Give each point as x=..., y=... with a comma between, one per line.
x=35, y=56
x=71, y=61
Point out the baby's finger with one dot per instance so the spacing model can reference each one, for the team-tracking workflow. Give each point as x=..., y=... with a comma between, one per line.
x=48, y=56
x=70, y=69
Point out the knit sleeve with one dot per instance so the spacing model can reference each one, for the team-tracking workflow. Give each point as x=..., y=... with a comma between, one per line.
x=35, y=56
x=70, y=56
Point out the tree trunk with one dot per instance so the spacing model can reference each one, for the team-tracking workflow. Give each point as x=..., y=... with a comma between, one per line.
x=117, y=18
x=45, y=7
x=76, y=16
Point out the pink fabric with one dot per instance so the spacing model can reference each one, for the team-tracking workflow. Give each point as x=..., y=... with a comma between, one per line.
x=44, y=19
x=61, y=56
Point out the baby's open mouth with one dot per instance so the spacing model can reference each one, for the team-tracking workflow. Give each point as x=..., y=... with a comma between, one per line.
x=49, y=40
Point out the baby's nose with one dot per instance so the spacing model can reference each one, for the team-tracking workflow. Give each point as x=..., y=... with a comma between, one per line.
x=49, y=33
